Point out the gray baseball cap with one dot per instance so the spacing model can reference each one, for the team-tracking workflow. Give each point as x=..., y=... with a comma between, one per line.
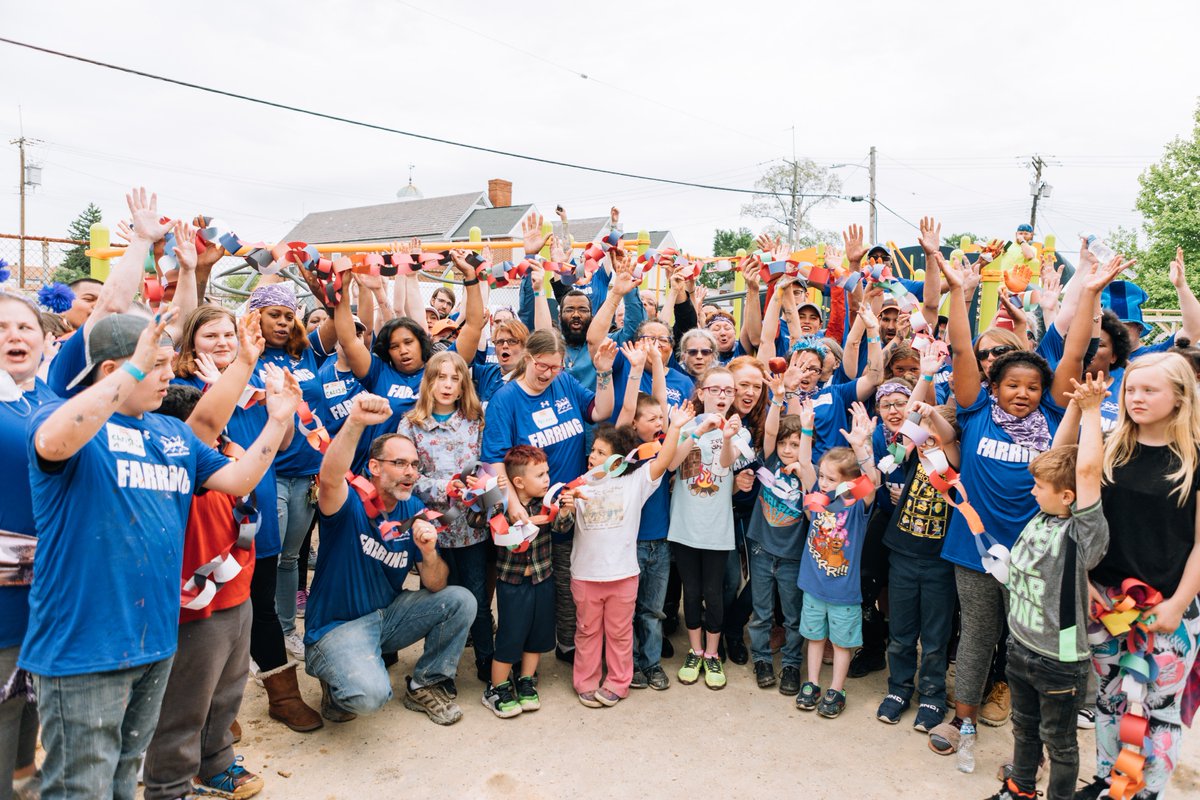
x=112, y=338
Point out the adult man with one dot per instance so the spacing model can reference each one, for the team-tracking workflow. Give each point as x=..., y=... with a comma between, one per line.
x=442, y=300
x=112, y=485
x=357, y=606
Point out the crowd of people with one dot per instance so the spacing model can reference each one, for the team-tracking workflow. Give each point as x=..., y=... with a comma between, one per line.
x=846, y=470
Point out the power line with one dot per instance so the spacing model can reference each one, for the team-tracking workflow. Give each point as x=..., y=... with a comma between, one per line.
x=894, y=214
x=386, y=129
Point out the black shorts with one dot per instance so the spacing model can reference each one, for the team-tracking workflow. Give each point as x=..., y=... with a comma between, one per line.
x=526, y=623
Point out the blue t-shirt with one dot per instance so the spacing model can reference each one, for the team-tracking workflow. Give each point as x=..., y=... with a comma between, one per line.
x=300, y=459
x=832, y=406
x=69, y=362
x=1051, y=346
x=488, y=379
x=16, y=501
x=552, y=420
x=111, y=519
x=1110, y=405
x=358, y=572
x=400, y=388
x=832, y=558
x=679, y=386
x=243, y=428
x=340, y=390
x=777, y=523
x=1158, y=347
x=656, y=513
x=995, y=472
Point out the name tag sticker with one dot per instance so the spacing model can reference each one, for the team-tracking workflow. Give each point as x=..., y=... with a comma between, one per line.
x=124, y=440
x=545, y=418
x=335, y=389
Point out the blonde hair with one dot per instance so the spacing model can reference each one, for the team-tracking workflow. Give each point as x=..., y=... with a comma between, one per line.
x=468, y=402
x=1183, y=434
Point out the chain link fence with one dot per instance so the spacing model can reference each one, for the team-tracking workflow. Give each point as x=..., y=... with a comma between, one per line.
x=43, y=255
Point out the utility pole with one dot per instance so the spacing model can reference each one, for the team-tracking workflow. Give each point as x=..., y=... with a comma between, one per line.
x=874, y=216
x=1036, y=188
x=792, y=215
x=20, y=142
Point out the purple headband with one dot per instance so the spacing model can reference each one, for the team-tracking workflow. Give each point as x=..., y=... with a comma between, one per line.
x=892, y=387
x=274, y=294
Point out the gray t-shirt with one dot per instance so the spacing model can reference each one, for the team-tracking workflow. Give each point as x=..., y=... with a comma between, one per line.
x=1039, y=616
x=777, y=523
x=702, y=502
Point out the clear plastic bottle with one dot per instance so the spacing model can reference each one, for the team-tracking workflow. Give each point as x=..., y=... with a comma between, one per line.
x=966, y=747
x=1098, y=248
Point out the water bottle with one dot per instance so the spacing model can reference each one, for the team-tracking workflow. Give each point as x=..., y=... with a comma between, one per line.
x=966, y=747
x=1104, y=253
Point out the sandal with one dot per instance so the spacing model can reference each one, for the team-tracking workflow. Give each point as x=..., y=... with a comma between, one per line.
x=944, y=738
x=589, y=700
x=606, y=697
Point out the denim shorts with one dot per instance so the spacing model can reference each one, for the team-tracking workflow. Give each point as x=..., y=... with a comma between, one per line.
x=526, y=623
x=840, y=624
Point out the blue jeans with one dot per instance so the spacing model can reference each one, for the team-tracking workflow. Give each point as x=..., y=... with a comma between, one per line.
x=95, y=728
x=654, y=565
x=349, y=657
x=768, y=574
x=295, y=517
x=921, y=598
x=468, y=569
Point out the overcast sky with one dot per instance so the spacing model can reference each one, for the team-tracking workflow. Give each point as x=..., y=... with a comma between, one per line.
x=954, y=96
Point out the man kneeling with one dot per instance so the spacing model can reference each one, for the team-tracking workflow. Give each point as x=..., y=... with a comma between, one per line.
x=357, y=608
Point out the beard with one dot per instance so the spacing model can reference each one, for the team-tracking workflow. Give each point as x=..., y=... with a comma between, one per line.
x=575, y=339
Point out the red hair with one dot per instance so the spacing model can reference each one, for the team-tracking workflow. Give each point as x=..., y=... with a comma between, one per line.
x=519, y=457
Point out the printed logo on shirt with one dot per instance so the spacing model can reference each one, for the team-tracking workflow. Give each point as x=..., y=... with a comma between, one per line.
x=562, y=405
x=674, y=397
x=335, y=389
x=389, y=558
x=827, y=542
x=401, y=392
x=155, y=477
x=303, y=374
x=174, y=446
x=777, y=512
x=559, y=433
x=925, y=512
x=124, y=440
x=1003, y=451
x=341, y=410
x=1026, y=586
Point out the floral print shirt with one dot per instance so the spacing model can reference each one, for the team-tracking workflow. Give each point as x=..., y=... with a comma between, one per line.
x=443, y=449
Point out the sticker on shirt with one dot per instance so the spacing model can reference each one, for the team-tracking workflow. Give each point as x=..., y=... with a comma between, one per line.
x=545, y=418
x=174, y=446
x=827, y=543
x=335, y=389
x=124, y=440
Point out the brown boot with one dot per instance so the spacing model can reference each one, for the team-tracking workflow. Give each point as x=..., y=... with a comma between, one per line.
x=287, y=705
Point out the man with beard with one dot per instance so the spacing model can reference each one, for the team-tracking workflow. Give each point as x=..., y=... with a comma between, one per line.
x=358, y=608
x=575, y=317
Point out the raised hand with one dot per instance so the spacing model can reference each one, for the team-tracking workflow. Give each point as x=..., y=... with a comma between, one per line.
x=558, y=253
x=972, y=277
x=206, y=369
x=1108, y=273
x=833, y=257
x=868, y=317
x=283, y=397
x=681, y=415
x=486, y=254
x=124, y=230
x=732, y=426
x=371, y=283
x=635, y=355
x=855, y=249
x=1017, y=279
x=808, y=414
x=145, y=356
x=931, y=361
x=370, y=409
x=1051, y=287
x=414, y=246
x=459, y=257
x=750, y=267
x=1087, y=259
x=952, y=274
x=1178, y=273
x=859, y=435
x=146, y=224
x=614, y=216
x=185, y=245
x=251, y=338
x=1091, y=392
x=930, y=238
x=606, y=353
x=531, y=234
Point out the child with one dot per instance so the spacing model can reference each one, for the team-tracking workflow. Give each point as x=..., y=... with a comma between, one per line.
x=1048, y=602
x=776, y=545
x=829, y=570
x=446, y=425
x=701, y=528
x=604, y=564
x=524, y=592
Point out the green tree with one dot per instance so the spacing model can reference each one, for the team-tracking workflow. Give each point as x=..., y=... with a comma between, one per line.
x=954, y=239
x=726, y=242
x=76, y=264
x=1169, y=201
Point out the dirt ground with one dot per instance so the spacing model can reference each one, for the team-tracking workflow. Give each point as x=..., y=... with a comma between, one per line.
x=686, y=741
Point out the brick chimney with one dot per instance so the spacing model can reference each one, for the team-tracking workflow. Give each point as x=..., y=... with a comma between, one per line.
x=500, y=192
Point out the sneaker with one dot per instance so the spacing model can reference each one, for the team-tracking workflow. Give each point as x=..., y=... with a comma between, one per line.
x=865, y=662
x=501, y=701
x=668, y=649
x=639, y=680
x=789, y=681
x=1093, y=790
x=997, y=708
x=1085, y=720
x=657, y=678
x=714, y=673
x=294, y=643
x=810, y=695
x=330, y=710
x=255, y=672
x=764, y=673
x=527, y=693
x=607, y=698
x=301, y=603
x=235, y=783
x=891, y=708
x=944, y=739
x=1009, y=791
x=589, y=700
x=736, y=650
x=450, y=686
x=831, y=704
x=929, y=717
x=689, y=673
x=434, y=701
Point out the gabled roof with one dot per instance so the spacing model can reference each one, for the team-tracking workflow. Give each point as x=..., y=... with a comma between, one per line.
x=656, y=237
x=429, y=217
x=492, y=222
x=584, y=230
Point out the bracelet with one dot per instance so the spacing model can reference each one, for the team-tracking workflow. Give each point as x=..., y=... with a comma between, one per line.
x=871, y=339
x=137, y=374
x=806, y=432
x=927, y=378
x=472, y=282
x=777, y=401
x=604, y=373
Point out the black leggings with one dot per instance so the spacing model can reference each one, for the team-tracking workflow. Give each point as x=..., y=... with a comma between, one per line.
x=266, y=634
x=702, y=573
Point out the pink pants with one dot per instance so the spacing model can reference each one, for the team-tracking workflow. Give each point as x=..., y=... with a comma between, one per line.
x=604, y=630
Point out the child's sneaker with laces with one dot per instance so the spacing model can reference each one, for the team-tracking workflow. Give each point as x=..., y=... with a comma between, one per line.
x=714, y=673
x=809, y=697
x=235, y=783
x=831, y=704
x=689, y=673
x=527, y=693
x=501, y=700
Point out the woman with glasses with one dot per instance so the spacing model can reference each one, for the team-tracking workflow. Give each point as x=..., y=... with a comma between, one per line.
x=656, y=337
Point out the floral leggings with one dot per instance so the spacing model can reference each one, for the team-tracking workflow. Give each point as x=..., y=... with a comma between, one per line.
x=1175, y=653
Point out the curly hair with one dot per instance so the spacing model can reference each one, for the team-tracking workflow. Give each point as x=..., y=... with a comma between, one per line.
x=1020, y=358
x=383, y=342
x=1111, y=324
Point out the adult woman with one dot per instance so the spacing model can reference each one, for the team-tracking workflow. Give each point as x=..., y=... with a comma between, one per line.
x=697, y=351
x=297, y=465
x=210, y=344
x=679, y=386
x=22, y=340
x=1151, y=481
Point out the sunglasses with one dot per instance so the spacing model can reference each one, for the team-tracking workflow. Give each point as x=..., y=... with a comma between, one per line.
x=994, y=352
x=704, y=351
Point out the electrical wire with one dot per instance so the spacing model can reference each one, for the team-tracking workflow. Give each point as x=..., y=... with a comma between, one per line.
x=387, y=129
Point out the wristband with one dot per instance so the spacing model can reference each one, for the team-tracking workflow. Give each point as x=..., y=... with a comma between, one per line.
x=137, y=374
x=806, y=432
x=604, y=373
x=777, y=401
x=872, y=339
x=472, y=282
x=927, y=378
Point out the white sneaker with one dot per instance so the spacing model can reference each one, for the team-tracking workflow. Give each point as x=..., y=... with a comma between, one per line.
x=255, y=672
x=294, y=644
x=1086, y=719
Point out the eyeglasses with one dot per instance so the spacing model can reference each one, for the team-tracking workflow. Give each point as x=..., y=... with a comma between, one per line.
x=720, y=391
x=550, y=369
x=810, y=370
x=703, y=351
x=899, y=404
x=994, y=352
x=504, y=342
x=660, y=339
x=399, y=462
